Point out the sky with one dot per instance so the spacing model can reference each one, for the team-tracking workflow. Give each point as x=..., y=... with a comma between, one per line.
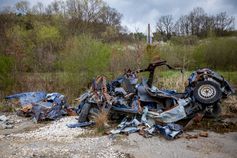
x=138, y=13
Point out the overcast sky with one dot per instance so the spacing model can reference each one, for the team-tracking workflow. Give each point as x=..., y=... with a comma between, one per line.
x=138, y=13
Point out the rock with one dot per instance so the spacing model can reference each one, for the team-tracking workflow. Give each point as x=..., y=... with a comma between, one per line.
x=203, y=134
x=1, y=126
x=7, y=126
x=189, y=136
x=5, y=123
x=3, y=118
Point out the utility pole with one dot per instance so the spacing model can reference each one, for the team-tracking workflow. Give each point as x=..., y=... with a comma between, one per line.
x=149, y=41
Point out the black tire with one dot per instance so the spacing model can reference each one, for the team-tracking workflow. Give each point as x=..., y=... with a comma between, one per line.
x=214, y=111
x=207, y=92
x=83, y=116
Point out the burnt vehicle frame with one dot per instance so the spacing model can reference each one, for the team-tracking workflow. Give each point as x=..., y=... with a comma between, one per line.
x=204, y=92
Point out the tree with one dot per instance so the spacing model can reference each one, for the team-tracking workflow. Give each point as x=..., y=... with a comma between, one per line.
x=38, y=8
x=182, y=26
x=74, y=9
x=22, y=7
x=110, y=16
x=165, y=25
x=223, y=23
x=91, y=9
x=198, y=23
x=196, y=20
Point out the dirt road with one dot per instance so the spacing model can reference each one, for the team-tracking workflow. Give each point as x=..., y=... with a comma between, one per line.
x=56, y=140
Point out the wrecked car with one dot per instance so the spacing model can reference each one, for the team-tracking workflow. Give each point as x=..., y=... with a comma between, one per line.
x=203, y=94
x=41, y=105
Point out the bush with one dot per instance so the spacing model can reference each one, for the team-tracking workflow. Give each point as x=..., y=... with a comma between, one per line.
x=6, y=77
x=184, y=40
x=86, y=55
x=47, y=34
x=177, y=55
x=217, y=53
x=127, y=56
x=83, y=59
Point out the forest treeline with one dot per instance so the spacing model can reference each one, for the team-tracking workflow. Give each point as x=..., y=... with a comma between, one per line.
x=196, y=23
x=63, y=45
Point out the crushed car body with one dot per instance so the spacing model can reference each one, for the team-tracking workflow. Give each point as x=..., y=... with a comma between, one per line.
x=153, y=107
x=41, y=105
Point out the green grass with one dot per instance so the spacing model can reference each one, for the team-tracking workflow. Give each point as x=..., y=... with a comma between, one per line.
x=229, y=76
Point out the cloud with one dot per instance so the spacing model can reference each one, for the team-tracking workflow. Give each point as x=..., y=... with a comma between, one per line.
x=138, y=13
x=5, y=3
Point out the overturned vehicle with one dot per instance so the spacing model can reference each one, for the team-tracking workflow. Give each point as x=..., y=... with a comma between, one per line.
x=124, y=96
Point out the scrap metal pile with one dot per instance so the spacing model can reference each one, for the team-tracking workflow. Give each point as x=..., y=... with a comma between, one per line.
x=41, y=106
x=142, y=107
x=149, y=110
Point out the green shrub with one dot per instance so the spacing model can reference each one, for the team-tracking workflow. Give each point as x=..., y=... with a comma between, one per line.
x=177, y=55
x=83, y=59
x=184, y=40
x=217, y=53
x=47, y=33
x=6, y=78
x=86, y=55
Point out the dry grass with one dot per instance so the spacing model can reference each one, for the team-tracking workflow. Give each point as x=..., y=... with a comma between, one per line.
x=175, y=82
x=101, y=124
x=6, y=106
x=101, y=121
x=230, y=105
x=88, y=134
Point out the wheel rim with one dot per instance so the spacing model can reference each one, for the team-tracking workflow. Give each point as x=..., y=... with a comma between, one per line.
x=207, y=91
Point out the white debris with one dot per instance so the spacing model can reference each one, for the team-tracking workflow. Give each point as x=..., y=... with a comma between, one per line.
x=3, y=118
x=5, y=123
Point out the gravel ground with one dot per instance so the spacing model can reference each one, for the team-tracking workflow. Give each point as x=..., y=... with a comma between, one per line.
x=214, y=146
x=55, y=131
x=55, y=139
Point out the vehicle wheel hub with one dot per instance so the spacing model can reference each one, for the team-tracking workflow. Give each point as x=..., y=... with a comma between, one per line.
x=207, y=91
